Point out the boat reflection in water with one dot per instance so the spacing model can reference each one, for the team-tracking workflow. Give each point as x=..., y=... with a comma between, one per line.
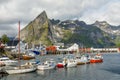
x=13, y=77
x=2, y=75
x=43, y=72
x=20, y=76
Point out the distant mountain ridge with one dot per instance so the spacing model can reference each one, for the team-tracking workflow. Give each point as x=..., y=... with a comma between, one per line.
x=103, y=25
x=49, y=31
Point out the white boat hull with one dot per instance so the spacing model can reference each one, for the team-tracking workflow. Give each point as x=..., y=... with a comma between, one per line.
x=19, y=71
x=79, y=61
x=71, y=64
x=43, y=67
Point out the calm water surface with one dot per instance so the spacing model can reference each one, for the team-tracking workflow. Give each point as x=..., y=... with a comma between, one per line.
x=108, y=70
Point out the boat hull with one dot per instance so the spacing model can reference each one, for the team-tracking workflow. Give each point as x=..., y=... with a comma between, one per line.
x=25, y=57
x=71, y=65
x=96, y=60
x=60, y=65
x=20, y=71
x=82, y=63
x=48, y=64
x=42, y=67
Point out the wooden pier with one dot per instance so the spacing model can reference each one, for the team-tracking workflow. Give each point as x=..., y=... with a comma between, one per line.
x=102, y=50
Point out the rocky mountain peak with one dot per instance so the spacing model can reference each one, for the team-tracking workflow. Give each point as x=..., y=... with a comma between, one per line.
x=101, y=23
x=106, y=27
x=38, y=30
x=41, y=18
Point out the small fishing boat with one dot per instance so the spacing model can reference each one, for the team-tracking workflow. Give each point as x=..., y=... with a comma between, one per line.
x=28, y=67
x=82, y=60
x=48, y=64
x=6, y=61
x=69, y=63
x=27, y=57
x=96, y=59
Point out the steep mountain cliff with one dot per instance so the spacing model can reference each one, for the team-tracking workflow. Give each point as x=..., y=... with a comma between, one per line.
x=38, y=31
x=50, y=31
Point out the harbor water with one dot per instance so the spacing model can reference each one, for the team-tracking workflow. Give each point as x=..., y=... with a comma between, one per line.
x=108, y=70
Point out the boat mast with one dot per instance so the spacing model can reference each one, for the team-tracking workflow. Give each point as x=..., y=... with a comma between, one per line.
x=19, y=41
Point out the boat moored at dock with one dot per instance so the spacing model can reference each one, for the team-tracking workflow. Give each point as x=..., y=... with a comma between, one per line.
x=28, y=67
x=96, y=59
x=48, y=64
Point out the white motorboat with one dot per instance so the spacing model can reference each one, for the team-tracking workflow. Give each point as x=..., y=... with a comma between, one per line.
x=49, y=64
x=28, y=67
x=7, y=61
x=82, y=60
x=69, y=62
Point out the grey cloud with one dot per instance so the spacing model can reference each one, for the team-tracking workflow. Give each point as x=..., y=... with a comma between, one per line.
x=12, y=11
x=4, y=1
x=9, y=30
x=108, y=12
x=2, y=28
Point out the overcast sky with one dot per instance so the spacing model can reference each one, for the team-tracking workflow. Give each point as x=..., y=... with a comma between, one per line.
x=11, y=11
